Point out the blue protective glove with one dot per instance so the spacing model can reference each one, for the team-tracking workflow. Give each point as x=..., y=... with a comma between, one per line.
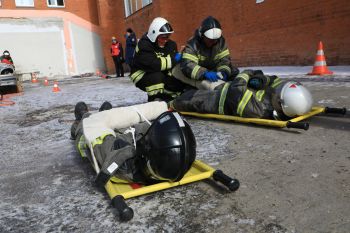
x=211, y=76
x=178, y=57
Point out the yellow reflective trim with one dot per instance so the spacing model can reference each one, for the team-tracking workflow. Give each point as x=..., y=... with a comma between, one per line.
x=201, y=57
x=246, y=97
x=223, y=98
x=260, y=94
x=162, y=63
x=82, y=146
x=222, y=54
x=224, y=67
x=190, y=57
x=172, y=93
x=135, y=77
x=195, y=71
x=168, y=62
x=276, y=82
x=99, y=140
x=243, y=76
x=155, y=87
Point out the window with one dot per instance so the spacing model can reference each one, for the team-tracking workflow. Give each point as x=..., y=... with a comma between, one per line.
x=55, y=3
x=132, y=6
x=29, y=3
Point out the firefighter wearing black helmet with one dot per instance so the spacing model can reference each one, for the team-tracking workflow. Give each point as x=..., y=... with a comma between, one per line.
x=146, y=152
x=155, y=56
x=207, y=57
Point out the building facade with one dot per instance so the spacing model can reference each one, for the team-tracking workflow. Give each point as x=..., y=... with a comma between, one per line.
x=54, y=37
x=261, y=32
x=70, y=37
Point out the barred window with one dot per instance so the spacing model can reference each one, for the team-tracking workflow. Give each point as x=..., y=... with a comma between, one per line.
x=132, y=6
x=29, y=3
x=55, y=3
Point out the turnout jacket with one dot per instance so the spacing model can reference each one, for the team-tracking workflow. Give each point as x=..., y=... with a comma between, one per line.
x=119, y=149
x=197, y=58
x=149, y=58
x=232, y=98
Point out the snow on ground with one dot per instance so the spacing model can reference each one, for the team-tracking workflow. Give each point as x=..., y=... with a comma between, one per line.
x=46, y=187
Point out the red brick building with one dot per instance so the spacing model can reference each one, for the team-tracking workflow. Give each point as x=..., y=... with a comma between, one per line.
x=258, y=32
x=273, y=32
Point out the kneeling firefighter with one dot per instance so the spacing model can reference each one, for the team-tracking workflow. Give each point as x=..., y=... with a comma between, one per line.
x=155, y=56
x=122, y=142
x=250, y=94
x=206, y=59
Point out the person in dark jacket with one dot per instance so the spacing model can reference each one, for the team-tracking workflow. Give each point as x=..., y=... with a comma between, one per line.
x=155, y=56
x=206, y=60
x=132, y=148
x=131, y=43
x=117, y=54
x=251, y=94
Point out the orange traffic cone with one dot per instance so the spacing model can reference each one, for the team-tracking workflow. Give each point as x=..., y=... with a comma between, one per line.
x=320, y=66
x=46, y=82
x=55, y=87
x=34, y=77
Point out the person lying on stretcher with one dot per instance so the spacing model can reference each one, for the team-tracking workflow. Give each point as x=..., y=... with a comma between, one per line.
x=122, y=142
x=251, y=94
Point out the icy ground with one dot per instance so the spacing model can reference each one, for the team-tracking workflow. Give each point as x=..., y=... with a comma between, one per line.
x=46, y=187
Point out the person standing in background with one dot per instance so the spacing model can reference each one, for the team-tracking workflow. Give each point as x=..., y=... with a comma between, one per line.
x=131, y=43
x=118, y=57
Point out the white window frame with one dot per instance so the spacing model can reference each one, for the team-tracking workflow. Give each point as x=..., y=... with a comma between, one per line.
x=55, y=4
x=129, y=3
x=24, y=3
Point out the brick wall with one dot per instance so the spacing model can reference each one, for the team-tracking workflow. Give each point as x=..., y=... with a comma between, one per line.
x=87, y=11
x=112, y=23
x=274, y=32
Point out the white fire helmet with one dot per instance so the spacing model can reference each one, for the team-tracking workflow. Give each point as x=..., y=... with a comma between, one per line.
x=211, y=28
x=158, y=27
x=295, y=99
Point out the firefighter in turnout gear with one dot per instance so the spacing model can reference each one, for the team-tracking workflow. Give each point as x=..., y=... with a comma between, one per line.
x=155, y=56
x=206, y=60
x=251, y=94
x=145, y=144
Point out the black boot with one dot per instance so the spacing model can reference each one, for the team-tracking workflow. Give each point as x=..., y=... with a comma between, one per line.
x=105, y=106
x=80, y=109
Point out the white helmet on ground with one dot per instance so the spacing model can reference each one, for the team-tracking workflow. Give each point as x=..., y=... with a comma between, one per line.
x=158, y=27
x=295, y=99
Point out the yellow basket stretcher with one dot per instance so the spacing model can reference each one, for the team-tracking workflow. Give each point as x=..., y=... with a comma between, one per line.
x=292, y=123
x=119, y=190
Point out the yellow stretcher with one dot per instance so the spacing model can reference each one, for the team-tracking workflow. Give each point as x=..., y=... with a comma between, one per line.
x=292, y=123
x=119, y=190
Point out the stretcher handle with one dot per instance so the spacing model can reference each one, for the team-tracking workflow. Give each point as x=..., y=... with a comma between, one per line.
x=230, y=183
x=298, y=125
x=125, y=212
x=335, y=110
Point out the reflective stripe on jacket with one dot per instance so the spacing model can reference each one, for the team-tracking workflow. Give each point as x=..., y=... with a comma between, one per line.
x=197, y=58
x=149, y=57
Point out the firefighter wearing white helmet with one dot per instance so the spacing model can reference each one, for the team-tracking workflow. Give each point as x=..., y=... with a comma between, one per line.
x=250, y=94
x=206, y=56
x=155, y=56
